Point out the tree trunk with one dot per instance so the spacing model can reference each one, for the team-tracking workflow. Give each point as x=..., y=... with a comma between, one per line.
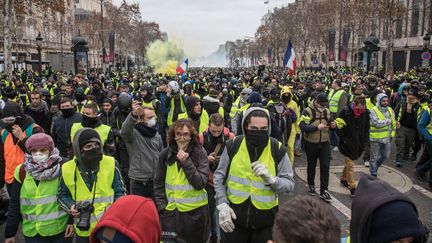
x=390, y=45
x=7, y=38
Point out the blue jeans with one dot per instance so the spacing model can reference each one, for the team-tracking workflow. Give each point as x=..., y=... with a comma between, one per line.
x=379, y=152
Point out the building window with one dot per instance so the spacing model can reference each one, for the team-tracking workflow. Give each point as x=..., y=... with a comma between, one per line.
x=415, y=16
x=399, y=27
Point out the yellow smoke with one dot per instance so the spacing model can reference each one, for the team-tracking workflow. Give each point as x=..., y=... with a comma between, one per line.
x=164, y=57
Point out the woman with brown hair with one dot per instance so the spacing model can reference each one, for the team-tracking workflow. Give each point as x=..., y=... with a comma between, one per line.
x=180, y=180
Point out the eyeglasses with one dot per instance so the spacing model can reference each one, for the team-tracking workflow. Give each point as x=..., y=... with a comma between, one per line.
x=183, y=135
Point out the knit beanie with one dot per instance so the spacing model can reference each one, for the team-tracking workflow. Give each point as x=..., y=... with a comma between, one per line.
x=12, y=109
x=39, y=141
x=88, y=135
x=393, y=221
x=254, y=97
x=321, y=98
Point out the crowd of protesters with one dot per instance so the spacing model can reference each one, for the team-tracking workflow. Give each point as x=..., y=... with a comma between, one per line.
x=204, y=156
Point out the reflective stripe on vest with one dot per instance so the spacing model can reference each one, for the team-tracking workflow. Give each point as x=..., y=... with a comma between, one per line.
x=334, y=98
x=181, y=195
x=41, y=213
x=243, y=184
x=13, y=154
x=382, y=132
x=104, y=194
x=171, y=111
x=103, y=131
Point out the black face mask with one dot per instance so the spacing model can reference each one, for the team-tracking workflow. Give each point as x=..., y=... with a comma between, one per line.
x=256, y=138
x=68, y=112
x=90, y=159
x=89, y=121
x=286, y=99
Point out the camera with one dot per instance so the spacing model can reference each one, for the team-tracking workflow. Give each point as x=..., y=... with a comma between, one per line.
x=86, y=209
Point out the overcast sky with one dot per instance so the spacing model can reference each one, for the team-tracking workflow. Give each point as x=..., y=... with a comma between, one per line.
x=200, y=26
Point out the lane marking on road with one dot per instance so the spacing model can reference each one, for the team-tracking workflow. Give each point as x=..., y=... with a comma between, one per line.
x=341, y=207
x=423, y=191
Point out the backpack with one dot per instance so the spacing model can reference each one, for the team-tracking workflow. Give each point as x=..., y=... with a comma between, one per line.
x=313, y=113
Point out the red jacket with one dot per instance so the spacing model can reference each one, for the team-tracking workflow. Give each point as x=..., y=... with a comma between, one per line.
x=133, y=216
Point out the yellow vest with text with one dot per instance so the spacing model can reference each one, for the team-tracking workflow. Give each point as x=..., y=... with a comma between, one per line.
x=41, y=213
x=181, y=195
x=382, y=132
x=103, y=131
x=204, y=120
x=104, y=194
x=171, y=111
x=334, y=97
x=243, y=184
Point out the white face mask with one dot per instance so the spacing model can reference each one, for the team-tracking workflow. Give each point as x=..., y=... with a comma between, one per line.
x=151, y=122
x=40, y=157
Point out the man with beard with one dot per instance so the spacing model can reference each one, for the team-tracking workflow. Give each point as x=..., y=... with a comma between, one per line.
x=252, y=171
x=144, y=144
x=90, y=119
x=213, y=141
x=39, y=111
x=61, y=127
x=18, y=127
x=382, y=130
x=91, y=177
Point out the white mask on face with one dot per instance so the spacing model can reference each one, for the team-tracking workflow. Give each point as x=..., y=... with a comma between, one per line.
x=151, y=122
x=40, y=157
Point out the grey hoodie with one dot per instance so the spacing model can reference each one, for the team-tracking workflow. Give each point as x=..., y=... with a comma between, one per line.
x=374, y=120
x=285, y=176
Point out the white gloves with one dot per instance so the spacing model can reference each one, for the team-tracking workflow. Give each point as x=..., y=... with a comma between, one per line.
x=261, y=171
x=226, y=215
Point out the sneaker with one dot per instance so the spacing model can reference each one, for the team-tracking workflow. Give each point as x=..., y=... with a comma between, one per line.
x=336, y=149
x=325, y=196
x=297, y=153
x=344, y=183
x=366, y=163
x=312, y=190
x=398, y=164
x=352, y=191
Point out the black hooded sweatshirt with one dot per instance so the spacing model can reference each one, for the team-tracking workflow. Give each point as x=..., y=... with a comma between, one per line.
x=371, y=194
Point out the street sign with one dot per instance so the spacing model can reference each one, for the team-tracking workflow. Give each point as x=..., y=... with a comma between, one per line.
x=426, y=55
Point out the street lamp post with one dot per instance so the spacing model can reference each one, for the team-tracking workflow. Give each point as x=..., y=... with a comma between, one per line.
x=370, y=46
x=39, y=41
x=426, y=43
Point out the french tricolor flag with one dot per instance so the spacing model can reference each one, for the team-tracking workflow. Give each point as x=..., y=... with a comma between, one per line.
x=290, y=59
x=183, y=67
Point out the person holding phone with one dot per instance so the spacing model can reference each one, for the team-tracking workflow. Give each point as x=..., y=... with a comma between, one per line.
x=315, y=122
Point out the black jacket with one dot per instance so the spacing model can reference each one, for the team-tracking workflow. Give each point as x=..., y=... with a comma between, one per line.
x=354, y=136
x=371, y=194
x=60, y=131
